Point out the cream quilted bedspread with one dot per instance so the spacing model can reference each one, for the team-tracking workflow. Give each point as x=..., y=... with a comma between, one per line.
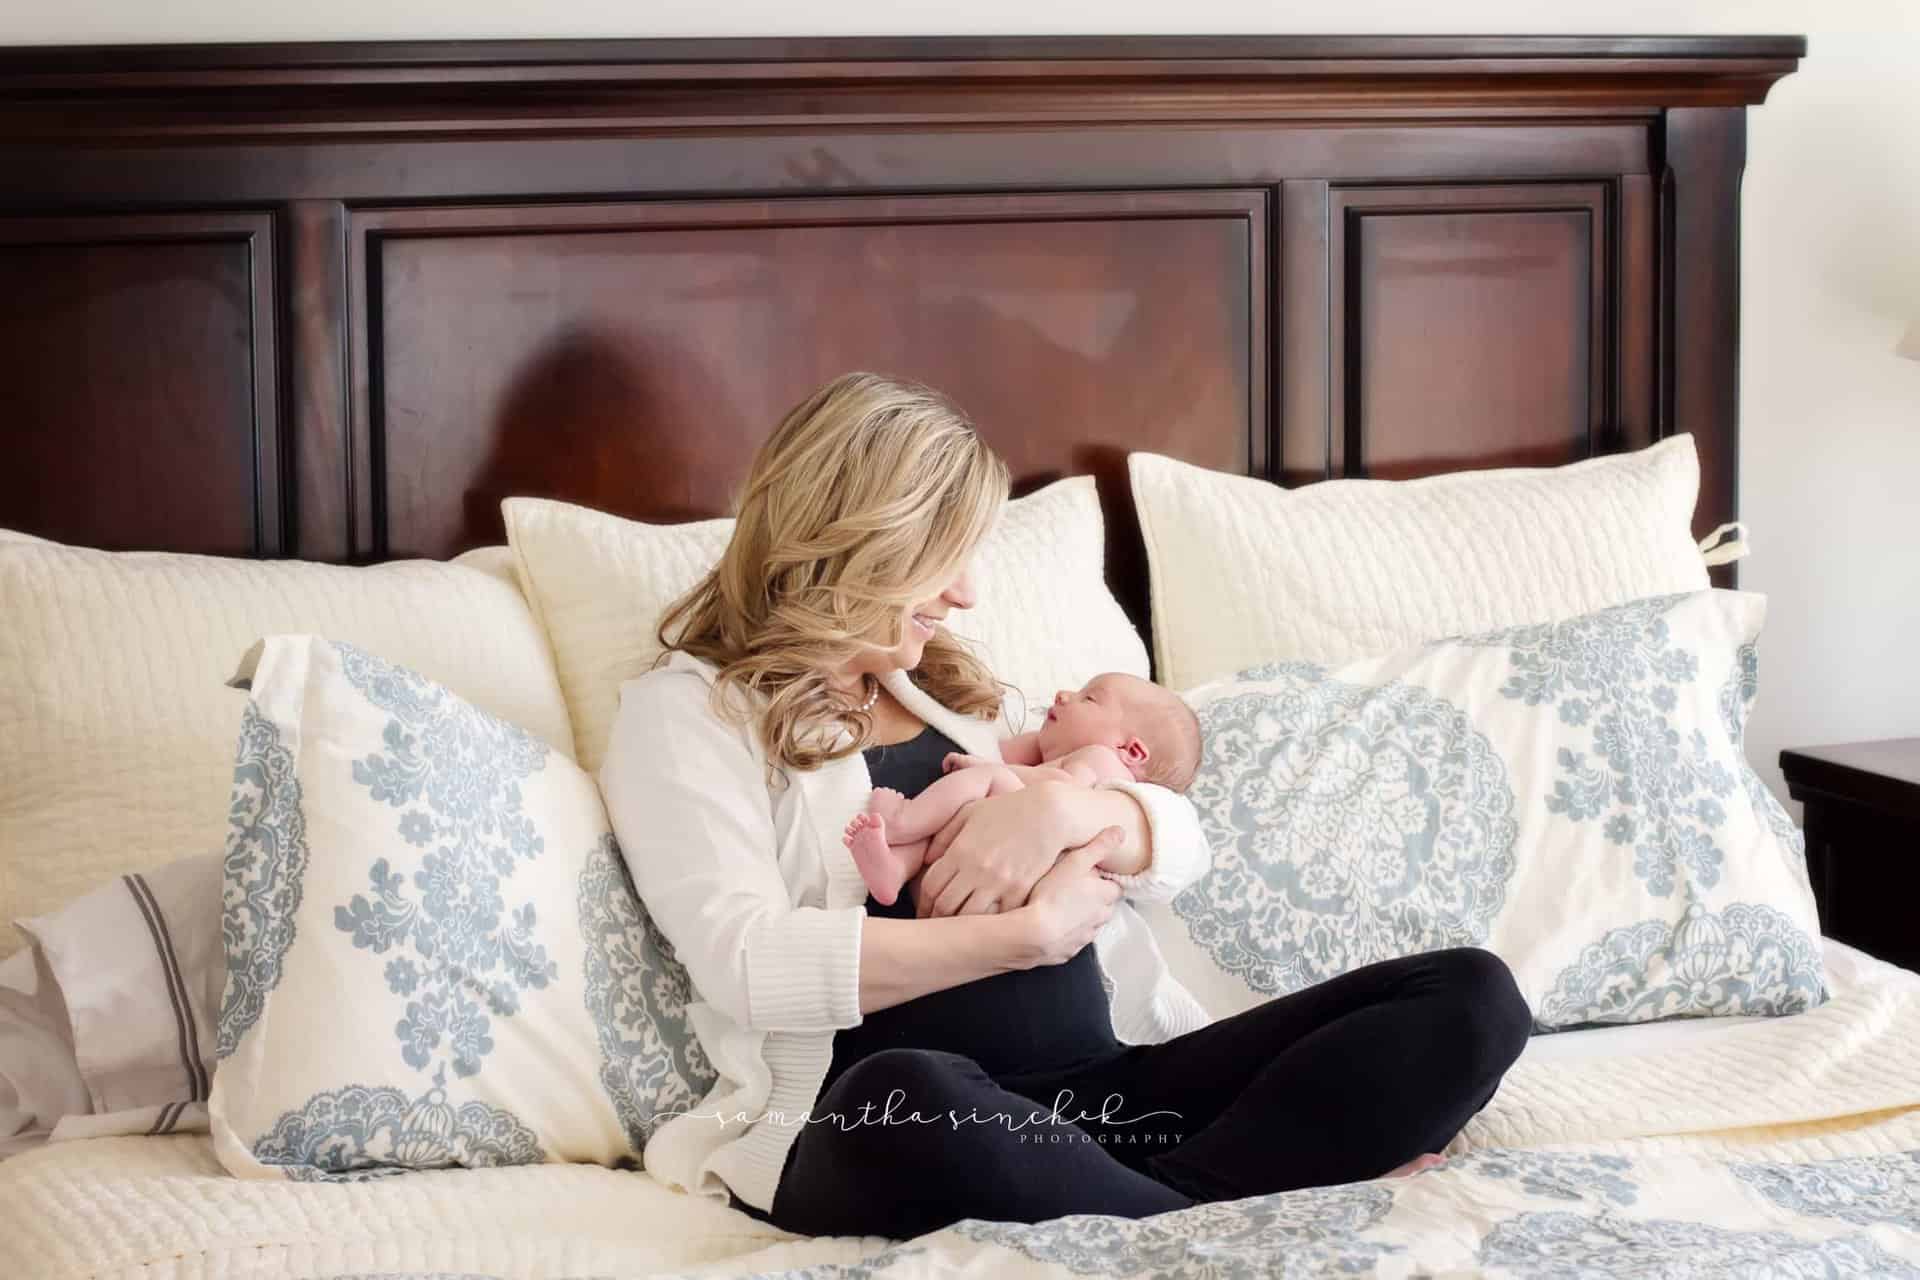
x=1823, y=1072
x=1779, y=1146
x=164, y=1208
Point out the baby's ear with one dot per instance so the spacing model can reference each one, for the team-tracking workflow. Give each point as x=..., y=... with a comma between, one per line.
x=1135, y=753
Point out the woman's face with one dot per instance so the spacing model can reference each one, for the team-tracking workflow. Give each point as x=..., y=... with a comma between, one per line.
x=918, y=622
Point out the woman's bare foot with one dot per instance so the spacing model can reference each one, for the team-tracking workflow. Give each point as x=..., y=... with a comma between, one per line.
x=1415, y=1165
x=880, y=867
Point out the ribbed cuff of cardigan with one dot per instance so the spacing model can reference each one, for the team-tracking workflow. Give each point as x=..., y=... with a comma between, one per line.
x=803, y=971
x=1179, y=846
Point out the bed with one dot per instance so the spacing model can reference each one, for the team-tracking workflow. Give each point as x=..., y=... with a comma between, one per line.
x=335, y=302
x=1679, y=1148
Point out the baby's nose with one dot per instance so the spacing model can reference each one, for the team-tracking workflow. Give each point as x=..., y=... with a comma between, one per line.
x=1060, y=697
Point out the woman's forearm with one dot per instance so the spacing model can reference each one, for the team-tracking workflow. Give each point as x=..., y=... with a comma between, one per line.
x=1087, y=811
x=903, y=959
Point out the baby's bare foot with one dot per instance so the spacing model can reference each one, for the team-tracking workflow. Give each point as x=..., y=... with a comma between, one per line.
x=859, y=823
x=1427, y=1161
x=886, y=803
x=867, y=840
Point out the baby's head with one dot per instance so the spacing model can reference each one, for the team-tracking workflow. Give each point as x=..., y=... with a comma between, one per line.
x=1151, y=727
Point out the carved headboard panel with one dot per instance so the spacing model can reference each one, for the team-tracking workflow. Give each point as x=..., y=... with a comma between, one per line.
x=335, y=301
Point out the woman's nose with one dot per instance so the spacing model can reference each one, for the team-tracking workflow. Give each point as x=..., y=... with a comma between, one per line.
x=960, y=592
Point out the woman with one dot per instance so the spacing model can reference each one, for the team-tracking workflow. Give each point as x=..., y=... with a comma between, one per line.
x=888, y=1071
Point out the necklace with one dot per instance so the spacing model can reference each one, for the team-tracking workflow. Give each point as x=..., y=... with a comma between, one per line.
x=871, y=698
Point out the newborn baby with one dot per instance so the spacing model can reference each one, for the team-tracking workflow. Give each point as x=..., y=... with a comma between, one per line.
x=1117, y=727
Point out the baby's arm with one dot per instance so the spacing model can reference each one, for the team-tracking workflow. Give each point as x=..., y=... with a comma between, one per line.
x=1086, y=766
x=1021, y=748
x=1027, y=773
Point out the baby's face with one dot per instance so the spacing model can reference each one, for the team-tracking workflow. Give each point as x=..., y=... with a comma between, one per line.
x=1098, y=714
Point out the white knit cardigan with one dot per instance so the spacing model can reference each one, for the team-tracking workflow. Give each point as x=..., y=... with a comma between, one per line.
x=762, y=903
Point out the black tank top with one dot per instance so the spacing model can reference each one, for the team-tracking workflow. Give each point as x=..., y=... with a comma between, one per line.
x=1039, y=1019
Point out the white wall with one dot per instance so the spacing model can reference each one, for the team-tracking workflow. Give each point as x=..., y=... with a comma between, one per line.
x=1830, y=451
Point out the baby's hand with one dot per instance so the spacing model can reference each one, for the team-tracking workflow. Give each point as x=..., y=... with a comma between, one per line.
x=960, y=760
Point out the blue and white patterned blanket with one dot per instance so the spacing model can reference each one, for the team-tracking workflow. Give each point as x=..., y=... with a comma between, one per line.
x=1492, y=1213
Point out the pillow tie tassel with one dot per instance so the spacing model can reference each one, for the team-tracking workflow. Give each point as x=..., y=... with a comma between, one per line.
x=1714, y=551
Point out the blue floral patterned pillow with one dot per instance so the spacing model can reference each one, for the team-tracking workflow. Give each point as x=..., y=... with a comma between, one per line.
x=1573, y=796
x=434, y=954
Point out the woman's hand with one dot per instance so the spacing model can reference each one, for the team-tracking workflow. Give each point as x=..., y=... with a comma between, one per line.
x=1071, y=903
x=991, y=854
x=901, y=960
x=1005, y=843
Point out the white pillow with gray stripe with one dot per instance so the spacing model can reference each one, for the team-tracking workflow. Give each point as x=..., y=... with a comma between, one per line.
x=140, y=968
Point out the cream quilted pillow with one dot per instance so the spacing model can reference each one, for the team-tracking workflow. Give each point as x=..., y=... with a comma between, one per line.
x=116, y=725
x=600, y=584
x=1245, y=572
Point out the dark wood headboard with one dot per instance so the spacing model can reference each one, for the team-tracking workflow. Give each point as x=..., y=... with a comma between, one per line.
x=335, y=301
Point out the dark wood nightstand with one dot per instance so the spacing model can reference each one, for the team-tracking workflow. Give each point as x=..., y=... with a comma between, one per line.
x=1863, y=841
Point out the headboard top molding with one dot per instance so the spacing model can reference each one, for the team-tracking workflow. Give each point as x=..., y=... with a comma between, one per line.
x=429, y=88
x=337, y=300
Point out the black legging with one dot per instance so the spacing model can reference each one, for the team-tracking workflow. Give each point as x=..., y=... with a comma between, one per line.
x=1337, y=1083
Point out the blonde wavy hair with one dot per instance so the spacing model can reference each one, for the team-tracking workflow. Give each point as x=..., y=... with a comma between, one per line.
x=869, y=496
